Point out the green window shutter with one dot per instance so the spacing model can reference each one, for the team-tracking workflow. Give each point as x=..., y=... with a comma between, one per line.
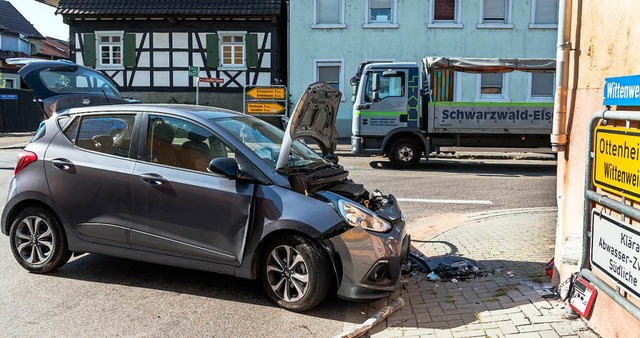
x=251, y=56
x=213, y=54
x=129, y=50
x=89, y=49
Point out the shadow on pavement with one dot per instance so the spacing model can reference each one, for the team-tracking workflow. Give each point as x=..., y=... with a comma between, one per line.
x=481, y=168
x=111, y=270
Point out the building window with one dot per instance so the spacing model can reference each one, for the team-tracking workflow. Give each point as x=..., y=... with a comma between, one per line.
x=381, y=14
x=541, y=86
x=8, y=83
x=109, y=45
x=495, y=14
x=330, y=71
x=493, y=86
x=444, y=13
x=232, y=49
x=544, y=14
x=329, y=14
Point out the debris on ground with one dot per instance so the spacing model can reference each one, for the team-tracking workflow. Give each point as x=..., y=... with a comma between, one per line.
x=446, y=267
x=360, y=329
x=548, y=268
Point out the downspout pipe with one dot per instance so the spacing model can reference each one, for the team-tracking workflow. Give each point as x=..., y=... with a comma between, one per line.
x=559, y=132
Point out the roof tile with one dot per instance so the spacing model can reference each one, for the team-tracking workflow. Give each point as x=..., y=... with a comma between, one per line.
x=170, y=7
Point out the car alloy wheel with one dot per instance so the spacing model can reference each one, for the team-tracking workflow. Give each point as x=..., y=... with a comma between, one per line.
x=295, y=272
x=37, y=240
x=287, y=273
x=34, y=240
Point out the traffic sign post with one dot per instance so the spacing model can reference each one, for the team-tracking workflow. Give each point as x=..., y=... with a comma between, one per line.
x=271, y=100
x=195, y=72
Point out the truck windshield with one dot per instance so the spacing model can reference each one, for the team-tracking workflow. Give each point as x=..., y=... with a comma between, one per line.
x=390, y=85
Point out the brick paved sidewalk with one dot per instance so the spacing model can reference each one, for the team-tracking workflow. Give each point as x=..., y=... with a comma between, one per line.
x=513, y=246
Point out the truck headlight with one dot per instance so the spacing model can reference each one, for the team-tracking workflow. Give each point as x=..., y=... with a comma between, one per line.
x=356, y=215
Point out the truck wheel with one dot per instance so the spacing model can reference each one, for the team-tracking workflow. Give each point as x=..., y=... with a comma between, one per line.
x=404, y=153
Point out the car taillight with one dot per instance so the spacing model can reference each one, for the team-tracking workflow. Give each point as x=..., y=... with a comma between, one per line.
x=24, y=159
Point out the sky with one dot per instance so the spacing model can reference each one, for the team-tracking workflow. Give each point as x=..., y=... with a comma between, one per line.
x=43, y=18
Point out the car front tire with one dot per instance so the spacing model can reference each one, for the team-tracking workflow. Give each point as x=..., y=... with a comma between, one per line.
x=37, y=240
x=295, y=273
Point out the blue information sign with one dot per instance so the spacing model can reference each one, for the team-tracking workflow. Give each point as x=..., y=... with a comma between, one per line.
x=8, y=96
x=622, y=91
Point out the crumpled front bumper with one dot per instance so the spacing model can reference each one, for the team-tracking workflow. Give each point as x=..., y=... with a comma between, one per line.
x=371, y=261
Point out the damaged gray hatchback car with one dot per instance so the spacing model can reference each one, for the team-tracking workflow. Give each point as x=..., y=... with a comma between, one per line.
x=201, y=188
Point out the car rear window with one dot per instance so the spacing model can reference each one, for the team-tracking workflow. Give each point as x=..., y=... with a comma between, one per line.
x=107, y=134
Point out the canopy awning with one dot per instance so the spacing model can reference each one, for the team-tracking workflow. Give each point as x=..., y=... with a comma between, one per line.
x=489, y=65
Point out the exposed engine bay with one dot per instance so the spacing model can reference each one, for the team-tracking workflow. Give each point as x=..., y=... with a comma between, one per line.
x=335, y=179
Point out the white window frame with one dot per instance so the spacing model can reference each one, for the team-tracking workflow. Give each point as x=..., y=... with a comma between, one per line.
x=340, y=25
x=493, y=25
x=330, y=62
x=504, y=97
x=534, y=25
x=539, y=98
x=13, y=83
x=456, y=23
x=378, y=25
x=224, y=66
x=99, y=64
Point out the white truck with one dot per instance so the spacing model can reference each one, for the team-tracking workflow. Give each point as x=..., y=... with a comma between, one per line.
x=402, y=110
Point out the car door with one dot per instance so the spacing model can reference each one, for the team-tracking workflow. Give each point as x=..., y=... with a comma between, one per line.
x=181, y=209
x=88, y=169
x=389, y=109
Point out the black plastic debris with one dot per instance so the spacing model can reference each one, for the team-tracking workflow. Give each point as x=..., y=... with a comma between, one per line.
x=443, y=267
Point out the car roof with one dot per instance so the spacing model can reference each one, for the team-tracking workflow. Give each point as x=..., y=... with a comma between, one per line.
x=205, y=112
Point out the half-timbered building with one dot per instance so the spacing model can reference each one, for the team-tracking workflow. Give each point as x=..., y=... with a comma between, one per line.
x=147, y=46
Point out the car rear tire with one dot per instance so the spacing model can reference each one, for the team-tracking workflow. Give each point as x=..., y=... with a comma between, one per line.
x=37, y=240
x=295, y=273
x=404, y=153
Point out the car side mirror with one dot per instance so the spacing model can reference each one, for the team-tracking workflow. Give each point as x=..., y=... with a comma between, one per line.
x=225, y=166
x=331, y=158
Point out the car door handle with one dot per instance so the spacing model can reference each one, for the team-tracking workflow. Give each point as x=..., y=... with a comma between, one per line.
x=62, y=164
x=363, y=106
x=153, y=179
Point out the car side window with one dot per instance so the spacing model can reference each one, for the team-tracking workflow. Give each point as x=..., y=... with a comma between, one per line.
x=107, y=134
x=179, y=143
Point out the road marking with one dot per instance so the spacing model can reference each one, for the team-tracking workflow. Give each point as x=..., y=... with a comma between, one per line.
x=422, y=200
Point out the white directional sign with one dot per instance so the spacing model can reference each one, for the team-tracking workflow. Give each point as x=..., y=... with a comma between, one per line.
x=615, y=250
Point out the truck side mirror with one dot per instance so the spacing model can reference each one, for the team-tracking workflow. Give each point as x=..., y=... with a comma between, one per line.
x=375, y=87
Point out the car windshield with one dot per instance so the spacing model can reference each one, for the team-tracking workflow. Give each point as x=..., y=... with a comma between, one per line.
x=72, y=79
x=265, y=141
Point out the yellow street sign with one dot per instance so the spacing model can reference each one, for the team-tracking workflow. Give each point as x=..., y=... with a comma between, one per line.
x=267, y=93
x=264, y=108
x=616, y=164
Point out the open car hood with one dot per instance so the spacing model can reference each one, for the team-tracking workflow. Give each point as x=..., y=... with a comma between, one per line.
x=61, y=85
x=313, y=118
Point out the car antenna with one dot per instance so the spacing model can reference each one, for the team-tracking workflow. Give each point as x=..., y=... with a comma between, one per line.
x=105, y=96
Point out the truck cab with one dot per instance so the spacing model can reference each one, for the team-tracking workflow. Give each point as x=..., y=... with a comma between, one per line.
x=386, y=106
x=406, y=110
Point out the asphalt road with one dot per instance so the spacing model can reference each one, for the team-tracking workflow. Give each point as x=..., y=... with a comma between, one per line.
x=96, y=295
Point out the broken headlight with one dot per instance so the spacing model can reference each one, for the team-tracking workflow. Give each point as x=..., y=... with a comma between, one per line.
x=356, y=215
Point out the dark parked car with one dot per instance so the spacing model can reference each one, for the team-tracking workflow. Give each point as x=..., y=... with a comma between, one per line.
x=201, y=188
